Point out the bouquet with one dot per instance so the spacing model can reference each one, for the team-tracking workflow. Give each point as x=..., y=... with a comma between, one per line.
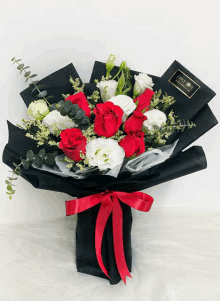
x=104, y=141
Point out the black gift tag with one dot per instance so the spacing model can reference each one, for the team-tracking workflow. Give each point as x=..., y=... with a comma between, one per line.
x=184, y=83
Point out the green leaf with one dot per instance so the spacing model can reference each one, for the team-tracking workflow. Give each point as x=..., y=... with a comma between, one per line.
x=49, y=97
x=7, y=182
x=33, y=75
x=25, y=164
x=20, y=66
x=30, y=155
x=9, y=187
x=13, y=59
x=38, y=161
x=42, y=93
x=27, y=73
x=121, y=83
x=12, y=179
x=26, y=67
x=126, y=91
x=11, y=192
x=49, y=159
x=18, y=173
x=42, y=153
x=15, y=165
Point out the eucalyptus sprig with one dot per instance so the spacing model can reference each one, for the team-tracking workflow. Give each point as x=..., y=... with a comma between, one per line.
x=37, y=159
x=17, y=171
x=28, y=76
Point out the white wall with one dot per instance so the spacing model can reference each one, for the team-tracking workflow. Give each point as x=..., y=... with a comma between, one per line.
x=48, y=35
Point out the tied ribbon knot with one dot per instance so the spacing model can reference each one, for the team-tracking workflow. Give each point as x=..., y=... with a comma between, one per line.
x=109, y=201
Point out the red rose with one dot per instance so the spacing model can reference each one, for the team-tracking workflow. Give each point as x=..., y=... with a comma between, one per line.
x=144, y=100
x=135, y=122
x=72, y=143
x=133, y=144
x=108, y=118
x=81, y=100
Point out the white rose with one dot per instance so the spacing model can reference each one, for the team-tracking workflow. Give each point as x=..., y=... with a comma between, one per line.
x=107, y=89
x=38, y=109
x=104, y=153
x=54, y=118
x=125, y=103
x=142, y=81
x=154, y=117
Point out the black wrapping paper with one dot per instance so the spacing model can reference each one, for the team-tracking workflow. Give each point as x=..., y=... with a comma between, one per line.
x=183, y=163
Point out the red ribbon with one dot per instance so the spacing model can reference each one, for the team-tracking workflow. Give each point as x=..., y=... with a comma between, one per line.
x=110, y=204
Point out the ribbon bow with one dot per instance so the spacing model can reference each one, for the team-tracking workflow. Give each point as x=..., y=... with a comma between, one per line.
x=110, y=204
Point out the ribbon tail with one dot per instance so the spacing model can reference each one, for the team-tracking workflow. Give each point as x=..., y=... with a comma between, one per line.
x=102, y=218
x=117, y=221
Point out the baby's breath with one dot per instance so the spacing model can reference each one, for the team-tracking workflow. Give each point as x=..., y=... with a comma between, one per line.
x=76, y=85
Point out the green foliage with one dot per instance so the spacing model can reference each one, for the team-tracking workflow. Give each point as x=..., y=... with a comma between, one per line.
x=93, y=99
x=76, y=85
x=30, y=155
x=38, y=159
x=159, y=135
x=161, y=102
x=127, y=85
x=73, y=111
x=121, y=83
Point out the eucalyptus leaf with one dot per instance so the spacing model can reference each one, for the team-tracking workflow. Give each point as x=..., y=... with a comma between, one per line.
x=16, y=165
x=18, y=173
x=42, y=153
x=38, y=161
x=33, y=75
x=11, y=192
x=42, y=93
x=30, y=155
x=7, y=182
x=9, y=187
x=25, y=164
x=49, y=159
x=49, y=97
x=27, y=73
x=20, y=66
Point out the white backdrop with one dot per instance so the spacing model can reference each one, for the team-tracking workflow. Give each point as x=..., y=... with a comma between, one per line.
x=48, y=35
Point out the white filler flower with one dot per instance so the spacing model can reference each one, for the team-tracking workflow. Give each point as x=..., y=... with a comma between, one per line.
x=104, y=153
x=154, y=117
x=142, y=81
x=107, y=89
x=55, y=120
x=38, y=109
x=125, y=103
